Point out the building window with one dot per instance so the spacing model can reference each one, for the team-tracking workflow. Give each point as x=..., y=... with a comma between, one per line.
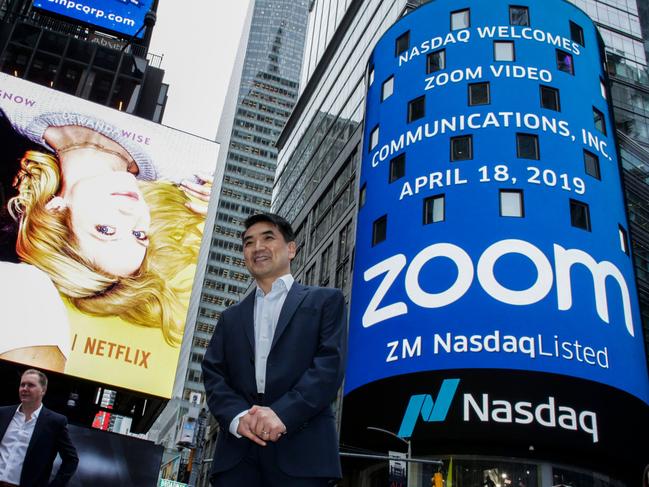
x=362, y=196
x=511, y=203
x=591, y=164
x=624, y=241
x=504, y=51
x=325, y=263
x=550, y=98
x=309, y=278
x=345, y=242
x=564, y=62
x=600, y=122
x=461, y=148
x=397, y=167
x=342, y=276
x=374, y=137
x=387, y=89
x=436, y=61
x=579, y=215
x=379, y=230
x=577, y=33
x=434, y=209
x=519, y=15
x=527, y=146
x=479, y=94
x=416, y=109
x=402, y=44
x=460, y=19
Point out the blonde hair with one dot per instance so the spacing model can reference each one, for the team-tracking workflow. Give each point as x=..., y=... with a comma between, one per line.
x=147, y=298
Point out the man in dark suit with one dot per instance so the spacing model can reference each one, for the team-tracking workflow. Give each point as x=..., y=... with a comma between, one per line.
x=272, y=370
x=32, y=435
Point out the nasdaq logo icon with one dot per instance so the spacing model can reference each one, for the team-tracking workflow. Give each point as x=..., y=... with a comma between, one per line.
x=430, y=410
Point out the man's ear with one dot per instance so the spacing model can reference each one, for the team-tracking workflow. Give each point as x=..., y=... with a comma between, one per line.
x=292, y=248
x=56, y=204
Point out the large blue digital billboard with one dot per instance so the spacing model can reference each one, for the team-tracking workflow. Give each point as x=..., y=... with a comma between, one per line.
x=492, y=234
x=120, y=16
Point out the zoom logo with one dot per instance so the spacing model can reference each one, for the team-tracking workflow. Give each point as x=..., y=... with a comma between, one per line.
x=547, y=413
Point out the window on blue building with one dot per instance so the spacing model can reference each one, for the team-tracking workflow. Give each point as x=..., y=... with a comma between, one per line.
x=511, y=203
x=565, y=62
x=379, y=230
x=434, y=209
x=579, y=215
x=436, y=61
x=527, y=146
x=504, y=51
x=416, y=109
x=460, y=19
x=402, y=44
x=479, y=94
x=397, y=167
x=519, y=15
x=550, y=98
x=577, y=33
x=461, y=148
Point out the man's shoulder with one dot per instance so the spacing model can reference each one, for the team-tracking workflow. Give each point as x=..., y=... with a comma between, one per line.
x=50, y=415
x=11, y=409
x=238, y=306
x=323, y=293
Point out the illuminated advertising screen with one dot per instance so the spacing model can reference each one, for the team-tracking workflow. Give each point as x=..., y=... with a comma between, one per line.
x=109, y=459
x=121, y=16
x=492, y=239
x=100, y=228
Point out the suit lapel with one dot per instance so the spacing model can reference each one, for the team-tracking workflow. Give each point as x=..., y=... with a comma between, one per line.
x=295, y=296
x=248, y=318
x=40, y=424
x=7, y=416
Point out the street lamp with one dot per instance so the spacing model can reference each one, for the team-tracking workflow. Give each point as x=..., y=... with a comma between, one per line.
x=197, y=457
x=403, y=440
x=387, y=432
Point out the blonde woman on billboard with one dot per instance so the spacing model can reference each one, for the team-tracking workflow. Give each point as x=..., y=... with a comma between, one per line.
x=110, y=244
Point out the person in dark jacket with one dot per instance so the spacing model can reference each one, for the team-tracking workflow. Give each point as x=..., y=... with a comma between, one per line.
x=32, y=436
x=272, y=370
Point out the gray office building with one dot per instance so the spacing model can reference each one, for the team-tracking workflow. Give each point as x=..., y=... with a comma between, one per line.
x=263, y=92
x=267, y=93
x=316, y=185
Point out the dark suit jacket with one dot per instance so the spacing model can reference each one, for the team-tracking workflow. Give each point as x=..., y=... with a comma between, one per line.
x=303, y=374
x=49, y=438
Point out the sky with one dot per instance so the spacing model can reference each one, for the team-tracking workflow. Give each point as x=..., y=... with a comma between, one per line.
x=198, y=40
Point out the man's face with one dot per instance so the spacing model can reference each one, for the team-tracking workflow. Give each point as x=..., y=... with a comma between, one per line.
x=31, y=391
x=267, y=254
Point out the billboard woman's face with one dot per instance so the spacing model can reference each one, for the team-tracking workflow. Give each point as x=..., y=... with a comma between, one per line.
x=110, y=221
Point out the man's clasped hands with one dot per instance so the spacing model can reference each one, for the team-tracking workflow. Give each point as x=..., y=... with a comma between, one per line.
x=260, y=424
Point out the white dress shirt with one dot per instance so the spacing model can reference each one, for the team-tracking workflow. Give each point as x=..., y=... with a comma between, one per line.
x=13, y=446
x=267, y=310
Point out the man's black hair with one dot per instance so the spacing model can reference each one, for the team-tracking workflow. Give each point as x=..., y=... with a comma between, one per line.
x=283, y=226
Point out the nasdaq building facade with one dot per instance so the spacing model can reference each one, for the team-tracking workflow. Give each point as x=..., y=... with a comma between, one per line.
x=494, y=307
